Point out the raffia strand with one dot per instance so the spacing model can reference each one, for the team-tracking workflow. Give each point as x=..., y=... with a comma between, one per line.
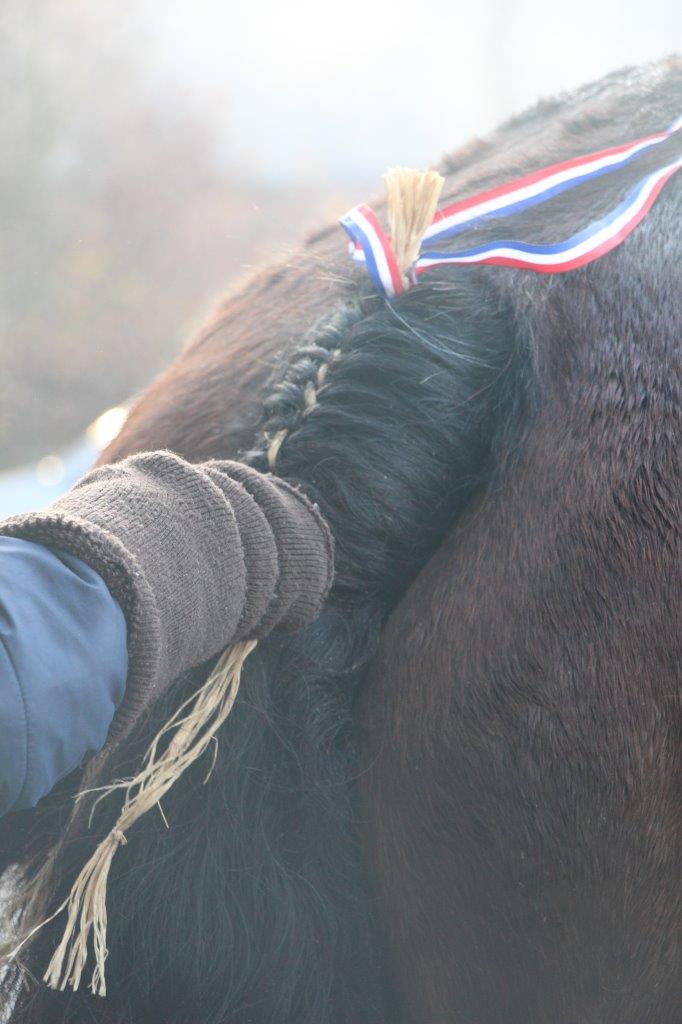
x=412, y=200
x=192, y=728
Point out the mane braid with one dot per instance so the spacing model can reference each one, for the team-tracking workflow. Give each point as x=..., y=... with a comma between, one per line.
x=190, y=729
x=310, y=372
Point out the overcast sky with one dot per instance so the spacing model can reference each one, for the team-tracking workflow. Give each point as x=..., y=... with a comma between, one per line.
x=340, y=91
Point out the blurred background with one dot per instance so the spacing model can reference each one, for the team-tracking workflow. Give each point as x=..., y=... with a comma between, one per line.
x=151, y=152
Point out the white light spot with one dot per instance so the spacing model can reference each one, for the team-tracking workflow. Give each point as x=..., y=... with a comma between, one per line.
x=50, y=471
x=107, y=426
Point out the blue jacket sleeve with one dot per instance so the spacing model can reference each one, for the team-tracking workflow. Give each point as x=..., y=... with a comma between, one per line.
x=63, y=666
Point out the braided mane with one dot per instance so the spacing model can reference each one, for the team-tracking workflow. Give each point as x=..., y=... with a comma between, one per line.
x=261, y=873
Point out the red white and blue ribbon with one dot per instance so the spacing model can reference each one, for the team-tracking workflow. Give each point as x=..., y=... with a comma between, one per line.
x=370, y=244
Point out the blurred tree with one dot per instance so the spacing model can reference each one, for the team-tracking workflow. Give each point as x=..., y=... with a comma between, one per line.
x=120, y=218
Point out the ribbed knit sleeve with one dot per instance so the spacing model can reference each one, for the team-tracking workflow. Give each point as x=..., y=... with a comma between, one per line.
x=197, y=556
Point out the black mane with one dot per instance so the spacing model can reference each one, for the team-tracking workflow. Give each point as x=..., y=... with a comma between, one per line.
x=252, y=907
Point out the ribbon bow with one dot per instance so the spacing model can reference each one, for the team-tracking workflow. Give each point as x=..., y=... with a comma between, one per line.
x=391, y=277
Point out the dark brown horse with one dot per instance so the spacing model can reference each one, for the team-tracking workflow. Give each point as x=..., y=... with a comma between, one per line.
x=452, y=799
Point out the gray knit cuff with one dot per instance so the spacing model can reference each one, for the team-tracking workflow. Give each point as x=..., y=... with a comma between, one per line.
x=197, y=556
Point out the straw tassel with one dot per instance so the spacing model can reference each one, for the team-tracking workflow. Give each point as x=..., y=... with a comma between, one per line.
x=193, y=728
x=412, y=200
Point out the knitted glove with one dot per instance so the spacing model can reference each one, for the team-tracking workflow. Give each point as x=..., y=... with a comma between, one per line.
x=198, y=556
